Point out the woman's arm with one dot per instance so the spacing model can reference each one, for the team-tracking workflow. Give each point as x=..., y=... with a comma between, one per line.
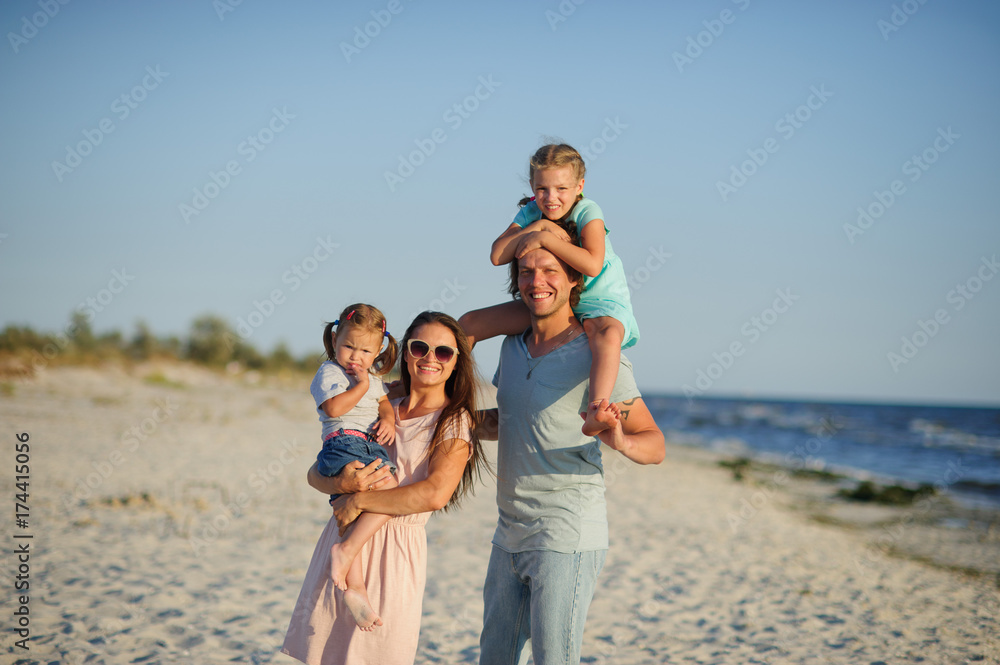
x=444, y=472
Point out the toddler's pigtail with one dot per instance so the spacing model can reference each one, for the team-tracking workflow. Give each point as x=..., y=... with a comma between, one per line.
x=331, y=353
x=387, y=359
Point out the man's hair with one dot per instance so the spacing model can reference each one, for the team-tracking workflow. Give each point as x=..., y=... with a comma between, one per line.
x=572, y=273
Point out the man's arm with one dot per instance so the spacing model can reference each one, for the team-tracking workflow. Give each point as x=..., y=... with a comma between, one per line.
x=636, y=435
x=489, y=425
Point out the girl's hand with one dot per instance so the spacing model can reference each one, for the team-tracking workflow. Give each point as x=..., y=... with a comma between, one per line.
x=550, y=226
x=384, y=430
x=361, y=375
x=345, y=509
x=530, y=242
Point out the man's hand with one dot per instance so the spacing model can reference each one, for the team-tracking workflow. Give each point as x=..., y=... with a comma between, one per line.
x=607, y=415
x=489, y=426
x=635, y=434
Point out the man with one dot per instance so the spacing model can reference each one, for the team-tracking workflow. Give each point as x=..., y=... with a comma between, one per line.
x=552, y=532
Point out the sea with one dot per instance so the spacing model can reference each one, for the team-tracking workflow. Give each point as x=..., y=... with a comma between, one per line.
x=954, y=448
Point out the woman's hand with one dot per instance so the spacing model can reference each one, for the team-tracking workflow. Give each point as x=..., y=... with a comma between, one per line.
x=346, y=510
x=355, y=477
x=396, y=389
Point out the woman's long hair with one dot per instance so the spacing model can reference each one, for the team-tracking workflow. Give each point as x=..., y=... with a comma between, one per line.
x=461, y=389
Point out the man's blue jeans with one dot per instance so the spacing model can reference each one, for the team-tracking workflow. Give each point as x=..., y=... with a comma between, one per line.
x=538, y=595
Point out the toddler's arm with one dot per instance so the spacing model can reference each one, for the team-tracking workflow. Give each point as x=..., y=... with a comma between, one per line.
x=384, y=428
x=340, y=404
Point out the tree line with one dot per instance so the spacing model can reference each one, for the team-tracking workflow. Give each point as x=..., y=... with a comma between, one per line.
x=211, y=341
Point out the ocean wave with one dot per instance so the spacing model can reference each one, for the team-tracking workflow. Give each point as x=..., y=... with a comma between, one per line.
x=936, y=435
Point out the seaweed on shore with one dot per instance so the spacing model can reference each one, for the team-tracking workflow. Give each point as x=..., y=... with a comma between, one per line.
x=737, y=466
x=892, y=495
x=817, y=474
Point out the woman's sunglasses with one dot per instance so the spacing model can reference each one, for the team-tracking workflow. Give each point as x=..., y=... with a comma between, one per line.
x=419, y=348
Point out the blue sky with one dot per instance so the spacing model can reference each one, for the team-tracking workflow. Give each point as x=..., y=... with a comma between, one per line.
x=163, y=160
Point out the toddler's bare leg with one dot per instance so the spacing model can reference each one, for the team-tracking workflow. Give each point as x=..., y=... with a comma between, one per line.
x=356, y=599
x=605, y=335
x=342, y=554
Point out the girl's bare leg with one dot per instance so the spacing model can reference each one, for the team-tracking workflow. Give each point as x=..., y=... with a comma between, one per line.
x=509, y=318
x=605, y=335
x=356, y=599
x=342, y=554
x=345, y=567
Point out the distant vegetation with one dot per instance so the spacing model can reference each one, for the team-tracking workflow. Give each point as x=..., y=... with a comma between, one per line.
x=211, y=342
x=893, y=495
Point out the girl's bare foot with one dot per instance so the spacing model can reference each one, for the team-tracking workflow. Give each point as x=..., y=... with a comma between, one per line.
x=361, y=610
x=600, y=416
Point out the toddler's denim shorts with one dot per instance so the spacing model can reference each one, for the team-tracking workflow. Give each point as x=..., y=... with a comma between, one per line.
x=339, y=449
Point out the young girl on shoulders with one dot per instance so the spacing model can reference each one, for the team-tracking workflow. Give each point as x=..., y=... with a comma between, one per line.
x=556, y=174
x=357, y=418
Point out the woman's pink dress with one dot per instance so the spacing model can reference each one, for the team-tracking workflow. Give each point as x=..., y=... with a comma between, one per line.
x=394, y=563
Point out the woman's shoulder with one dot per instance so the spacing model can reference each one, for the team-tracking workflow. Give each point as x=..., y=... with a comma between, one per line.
x=458, y=426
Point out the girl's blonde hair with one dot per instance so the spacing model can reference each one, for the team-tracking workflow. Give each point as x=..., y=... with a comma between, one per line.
x=369, y=319
x=553, y=156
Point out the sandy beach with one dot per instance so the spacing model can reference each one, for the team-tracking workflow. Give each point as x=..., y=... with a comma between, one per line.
x=170, y=522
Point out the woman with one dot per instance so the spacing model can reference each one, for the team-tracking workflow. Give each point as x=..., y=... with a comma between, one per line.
x=437, y=455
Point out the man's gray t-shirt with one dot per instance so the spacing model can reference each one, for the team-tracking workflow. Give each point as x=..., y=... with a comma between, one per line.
x=550, y=481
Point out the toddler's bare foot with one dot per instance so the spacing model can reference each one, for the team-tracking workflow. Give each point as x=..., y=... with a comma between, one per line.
x=600, y=416
x=340, y=563
x=361, y=610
